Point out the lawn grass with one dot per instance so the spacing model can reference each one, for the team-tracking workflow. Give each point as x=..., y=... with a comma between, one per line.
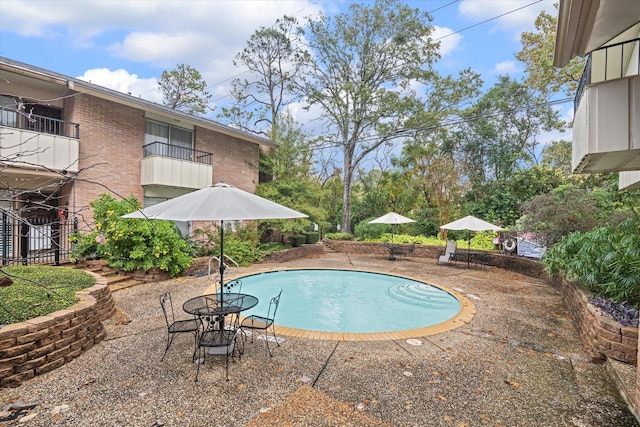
x=39, y=290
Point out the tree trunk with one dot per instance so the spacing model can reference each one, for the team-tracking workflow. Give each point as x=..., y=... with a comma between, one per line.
x=346, y=196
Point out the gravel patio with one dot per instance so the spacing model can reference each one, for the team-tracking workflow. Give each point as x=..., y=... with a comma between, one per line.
x=519, y=362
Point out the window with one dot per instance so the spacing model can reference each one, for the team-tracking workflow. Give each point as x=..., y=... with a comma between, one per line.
x=166, y=140
x=8, y=115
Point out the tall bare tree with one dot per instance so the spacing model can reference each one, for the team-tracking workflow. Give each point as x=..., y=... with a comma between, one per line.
x=273, y=60
x=362, y=65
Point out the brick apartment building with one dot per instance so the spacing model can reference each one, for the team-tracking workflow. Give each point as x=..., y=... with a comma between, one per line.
x=64, y=141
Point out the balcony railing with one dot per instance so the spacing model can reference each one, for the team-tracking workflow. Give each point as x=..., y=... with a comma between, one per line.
x=608, y=63
x=177, y=152
x=40, y=124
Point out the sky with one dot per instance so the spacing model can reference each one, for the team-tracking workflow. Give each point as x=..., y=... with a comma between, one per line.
x=126, y=44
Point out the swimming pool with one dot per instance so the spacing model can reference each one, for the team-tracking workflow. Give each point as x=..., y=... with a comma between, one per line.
x=347, y=301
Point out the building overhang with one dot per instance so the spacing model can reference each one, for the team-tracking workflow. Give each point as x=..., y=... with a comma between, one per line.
x=47, y=182
x=586, y=25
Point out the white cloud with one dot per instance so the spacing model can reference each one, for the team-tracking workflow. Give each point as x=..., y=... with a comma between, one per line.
x=506, y=67
x=162, y=49
x=513, y=20
x=448, y=41
x=218, y=24
x=122, y=81
x=158, y=33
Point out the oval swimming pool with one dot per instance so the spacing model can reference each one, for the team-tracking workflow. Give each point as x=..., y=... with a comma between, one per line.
x=350, y=301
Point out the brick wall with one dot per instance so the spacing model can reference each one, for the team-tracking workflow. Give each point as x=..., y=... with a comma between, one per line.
x=234, y=161
x=47, y=342
x=303, y=251
x=111, y=140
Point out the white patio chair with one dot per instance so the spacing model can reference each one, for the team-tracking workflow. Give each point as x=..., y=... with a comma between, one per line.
x=449, y=253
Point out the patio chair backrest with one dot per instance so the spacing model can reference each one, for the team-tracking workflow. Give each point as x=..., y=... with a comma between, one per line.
x=167, y=308
x=233, y=286
x=451, y=247
x=273, y=306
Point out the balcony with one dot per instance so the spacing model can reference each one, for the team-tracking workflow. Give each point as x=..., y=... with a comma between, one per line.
x=606, y=127
x=38, y=143
x=174, y=166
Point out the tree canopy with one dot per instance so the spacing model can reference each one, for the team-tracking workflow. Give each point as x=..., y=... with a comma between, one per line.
x=184, y=89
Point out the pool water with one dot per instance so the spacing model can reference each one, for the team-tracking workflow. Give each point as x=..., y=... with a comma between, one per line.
x=350, y=301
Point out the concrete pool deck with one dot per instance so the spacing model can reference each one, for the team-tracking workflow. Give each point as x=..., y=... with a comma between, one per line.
x=518, y=362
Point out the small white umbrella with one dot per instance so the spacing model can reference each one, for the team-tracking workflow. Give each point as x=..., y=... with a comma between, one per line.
x=221, y=202
x=471, y=223
x=393, y=219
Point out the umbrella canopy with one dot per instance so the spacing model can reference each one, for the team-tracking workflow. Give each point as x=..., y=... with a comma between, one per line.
x=471, y=223
x=221, y=202
x=391, y=218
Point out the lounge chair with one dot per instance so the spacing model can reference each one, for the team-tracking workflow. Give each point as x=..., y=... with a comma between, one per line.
x=449, y=253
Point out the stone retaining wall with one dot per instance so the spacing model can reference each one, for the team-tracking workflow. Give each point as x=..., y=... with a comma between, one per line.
x=47, y=342
x=518, y=264
x=100, y=266
x=304, y=251
x=603, y=335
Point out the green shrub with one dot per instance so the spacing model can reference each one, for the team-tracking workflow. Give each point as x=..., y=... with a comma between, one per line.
x=606, y=260
x=481, y=240
x=39, y=290
x=241, y=244
x=298, y=240
x=312, y=236
x=339, y=236
x=366, y=231
x=132, y=244
x=242, y=252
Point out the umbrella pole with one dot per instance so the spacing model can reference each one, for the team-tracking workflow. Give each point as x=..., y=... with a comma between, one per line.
x=221, y=271
x=468, y=248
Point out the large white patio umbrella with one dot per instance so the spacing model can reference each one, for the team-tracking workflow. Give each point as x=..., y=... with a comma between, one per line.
x=393, y=219
x=471, y=223
x=221, y=202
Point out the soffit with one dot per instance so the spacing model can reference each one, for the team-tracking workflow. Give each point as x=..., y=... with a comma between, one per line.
x=586, y=25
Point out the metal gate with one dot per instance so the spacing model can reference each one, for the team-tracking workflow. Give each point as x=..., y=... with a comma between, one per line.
x=34, y=240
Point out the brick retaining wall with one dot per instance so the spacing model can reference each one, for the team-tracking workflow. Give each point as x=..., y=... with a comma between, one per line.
x=100, y=266
x=508, y=262
x=304, y=251
x=603, y=335
x=47, y=342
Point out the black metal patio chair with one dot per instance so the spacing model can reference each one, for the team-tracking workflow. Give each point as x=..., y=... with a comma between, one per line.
x=263, y=323
x=232, y=286
x=175, y=327
x=220, y=342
